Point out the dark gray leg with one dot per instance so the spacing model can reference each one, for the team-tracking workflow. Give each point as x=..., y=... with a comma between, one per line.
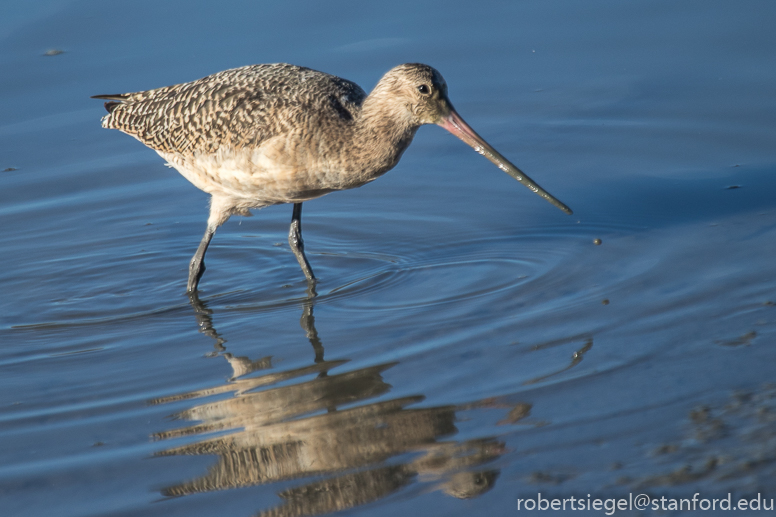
x=197, y=265
x=297, y=244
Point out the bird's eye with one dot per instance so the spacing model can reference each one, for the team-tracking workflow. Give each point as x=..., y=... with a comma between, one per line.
x=424, y=89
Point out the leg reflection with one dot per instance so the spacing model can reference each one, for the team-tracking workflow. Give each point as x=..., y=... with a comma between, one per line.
x=307, y=322
x=333, y=431
x=205, y=321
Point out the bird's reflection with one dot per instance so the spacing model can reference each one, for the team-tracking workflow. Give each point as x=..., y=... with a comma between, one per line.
x=576, y=357
x=321, y=428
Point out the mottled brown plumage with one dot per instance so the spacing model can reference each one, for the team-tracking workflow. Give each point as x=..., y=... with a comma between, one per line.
x=267, y=134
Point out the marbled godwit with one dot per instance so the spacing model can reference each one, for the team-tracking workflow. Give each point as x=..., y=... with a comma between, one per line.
x=268, y=134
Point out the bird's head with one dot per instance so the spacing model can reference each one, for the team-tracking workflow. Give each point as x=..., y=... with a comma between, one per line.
x=414, y=94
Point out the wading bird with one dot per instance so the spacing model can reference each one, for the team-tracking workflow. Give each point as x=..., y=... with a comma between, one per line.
x=263, y=135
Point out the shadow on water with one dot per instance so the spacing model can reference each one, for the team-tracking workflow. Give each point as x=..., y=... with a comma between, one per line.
x=281, y=425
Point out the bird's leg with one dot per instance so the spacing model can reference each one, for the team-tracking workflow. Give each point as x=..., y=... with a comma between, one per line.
x=297, y=244
x=197, y=265
x=221, y=208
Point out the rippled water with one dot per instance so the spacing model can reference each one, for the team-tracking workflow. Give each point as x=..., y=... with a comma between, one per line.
x=467, y=344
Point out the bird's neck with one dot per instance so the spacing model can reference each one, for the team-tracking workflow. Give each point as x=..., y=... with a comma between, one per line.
x=382, y=132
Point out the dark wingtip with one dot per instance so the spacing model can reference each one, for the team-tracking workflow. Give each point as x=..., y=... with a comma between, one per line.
x=114, y=97
x=117, y=99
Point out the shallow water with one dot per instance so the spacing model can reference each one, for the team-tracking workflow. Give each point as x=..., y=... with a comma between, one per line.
x=468, y=344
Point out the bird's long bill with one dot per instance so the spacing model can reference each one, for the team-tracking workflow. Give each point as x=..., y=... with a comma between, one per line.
x=456, y=125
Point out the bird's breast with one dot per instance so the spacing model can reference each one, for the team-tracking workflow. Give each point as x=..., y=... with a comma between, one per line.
x=278, y=171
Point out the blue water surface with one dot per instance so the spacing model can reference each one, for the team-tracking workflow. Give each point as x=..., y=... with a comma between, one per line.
x=467, y=344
